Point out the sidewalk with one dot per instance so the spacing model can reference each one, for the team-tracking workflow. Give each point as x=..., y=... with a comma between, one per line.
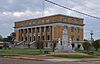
x=50, y=58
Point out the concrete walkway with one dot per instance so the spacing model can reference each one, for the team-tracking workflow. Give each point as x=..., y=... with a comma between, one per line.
x=21, y=61
x=50, y=58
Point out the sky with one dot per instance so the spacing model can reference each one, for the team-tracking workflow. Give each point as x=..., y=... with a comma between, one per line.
x=17, y=10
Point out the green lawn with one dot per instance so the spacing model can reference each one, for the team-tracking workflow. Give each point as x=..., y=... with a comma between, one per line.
x=97, y=53
x=73, y=56
x=11, y=52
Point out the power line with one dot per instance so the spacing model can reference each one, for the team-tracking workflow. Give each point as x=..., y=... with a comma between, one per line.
x=71, y=9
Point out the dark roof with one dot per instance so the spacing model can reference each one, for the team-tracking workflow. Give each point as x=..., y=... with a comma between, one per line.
x=51, y=16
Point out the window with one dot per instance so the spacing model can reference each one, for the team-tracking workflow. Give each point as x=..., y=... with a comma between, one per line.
x=48, y=29
x=72, y=29
x=25, y=38
x=33, y=22
x=29, y=23
x=72, y=37
x=48, y=37
x=78, y=29
x=29, y=30
x=38, y=37
x=21, y=30
x=38, y=29
x=42, y=37
x=75, y=29
x=64, y=19
x=34, y=38
x=47, y=20
x=77, y=38
x=42, y=21
x=72, y=20
x=33, y=30
x=22, y=39
x=42, y=29
x=25, y=30
x=46, y=44
x=30, y=39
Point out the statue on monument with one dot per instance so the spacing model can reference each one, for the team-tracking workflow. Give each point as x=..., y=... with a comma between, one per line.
x=65, y=47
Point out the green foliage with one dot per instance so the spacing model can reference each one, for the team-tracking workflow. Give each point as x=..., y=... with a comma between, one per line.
x=54, y=45
x=97, y=53
x=1, y=39
x=8, y=39
x=11, y=52
x=39, y=44
x=86, y=45
x=73, y=56
x=20, y=51
x=96, y=44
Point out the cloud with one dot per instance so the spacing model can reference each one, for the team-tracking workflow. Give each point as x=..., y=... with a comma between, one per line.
x=17, y=10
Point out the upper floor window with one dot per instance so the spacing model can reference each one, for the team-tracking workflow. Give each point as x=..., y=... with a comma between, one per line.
x=64, y=19
x=47, y=20
x=72, y=20
x=29, y=23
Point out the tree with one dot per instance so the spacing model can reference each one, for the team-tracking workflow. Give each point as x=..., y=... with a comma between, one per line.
x=1, y=39
x=8, y=39
x=96, y=44
x=54, y=45
x=86, y=45
x=39, y=44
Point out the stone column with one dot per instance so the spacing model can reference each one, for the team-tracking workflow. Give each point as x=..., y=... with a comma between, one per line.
x=36, y=34
x=31, y=34
x=27, y=35
x=45, y=33
x=45, y=36
x=23, y=34
x=19, y=35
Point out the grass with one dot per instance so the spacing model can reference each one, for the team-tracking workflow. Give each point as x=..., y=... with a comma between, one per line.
x=73, y=56
x=12, y=52
x=97, y=53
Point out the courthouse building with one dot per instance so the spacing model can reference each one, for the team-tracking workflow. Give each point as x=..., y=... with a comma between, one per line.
x=48, y=29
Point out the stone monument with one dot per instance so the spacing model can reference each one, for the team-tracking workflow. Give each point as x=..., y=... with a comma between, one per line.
x=65, y=47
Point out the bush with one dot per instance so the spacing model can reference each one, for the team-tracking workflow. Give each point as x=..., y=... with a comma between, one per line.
x=96, y=44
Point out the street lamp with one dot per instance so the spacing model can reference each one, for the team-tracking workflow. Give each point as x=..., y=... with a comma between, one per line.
x=91, y=33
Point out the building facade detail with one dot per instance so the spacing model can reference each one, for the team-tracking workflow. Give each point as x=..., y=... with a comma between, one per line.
x=48, y=29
